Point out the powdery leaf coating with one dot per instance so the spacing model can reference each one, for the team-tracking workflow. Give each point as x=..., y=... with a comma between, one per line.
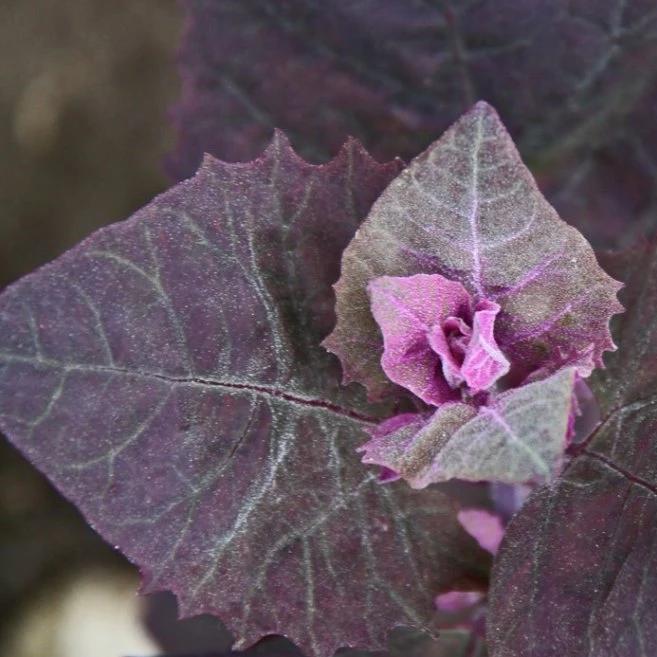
x=406, y=444
x=575, y=574
x=435, y=338
x=469, y=210
x=518, y=437
x=166, y=375
x=575, y=80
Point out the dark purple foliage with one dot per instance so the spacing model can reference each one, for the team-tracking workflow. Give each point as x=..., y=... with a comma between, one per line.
x=574, y=80
x=576, y=571
x=166, y=374
x=459, y=642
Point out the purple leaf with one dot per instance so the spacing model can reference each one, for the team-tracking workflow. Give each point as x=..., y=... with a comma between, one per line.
x=608, y=190
x=574, y=80
x=518, y=437
x=575, y=574
x=469, y=210
x=396, y=75
x=166, y=374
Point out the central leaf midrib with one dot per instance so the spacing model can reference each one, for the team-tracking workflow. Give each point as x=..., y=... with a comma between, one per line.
x=258, y=388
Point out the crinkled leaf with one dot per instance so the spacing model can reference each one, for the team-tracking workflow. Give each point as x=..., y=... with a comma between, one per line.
x=576, y=572
x=518, y=437
x=574, y=80
x=166, y=375
x=410, y=313
x=435, y=338
x=468, y=209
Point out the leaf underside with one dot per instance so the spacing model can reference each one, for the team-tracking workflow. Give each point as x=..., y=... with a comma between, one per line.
x=166, y=375
x=575, y=81
x=576, y=572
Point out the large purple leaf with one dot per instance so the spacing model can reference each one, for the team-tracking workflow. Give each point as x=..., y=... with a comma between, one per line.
x=468, y=209
x=569, y=78
x=576, y=572
x=166, y=375
x=611, y=191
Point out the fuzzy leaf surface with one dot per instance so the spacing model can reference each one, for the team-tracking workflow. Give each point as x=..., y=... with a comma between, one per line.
x=575, y=574
x=576, y=82
x=166, y=375
x=469, y=210
x=518, y=437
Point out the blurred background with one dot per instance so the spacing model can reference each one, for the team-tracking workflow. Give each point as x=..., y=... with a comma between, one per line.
x=84, y=90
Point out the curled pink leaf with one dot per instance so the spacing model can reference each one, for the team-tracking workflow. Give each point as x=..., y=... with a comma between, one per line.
x=484, y=361
x=436, y=339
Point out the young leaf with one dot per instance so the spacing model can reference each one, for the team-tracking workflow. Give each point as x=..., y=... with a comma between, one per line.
x=518, y=437
x=434, y=337
x=166, y=374
x=575, y=574
x=469, y=210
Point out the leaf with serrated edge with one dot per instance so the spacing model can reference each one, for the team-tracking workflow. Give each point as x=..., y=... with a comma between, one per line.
x=468, y=209
x=166, y=374
x=575, y=574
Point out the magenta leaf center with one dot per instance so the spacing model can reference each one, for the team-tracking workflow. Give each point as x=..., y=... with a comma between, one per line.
x=439, y=342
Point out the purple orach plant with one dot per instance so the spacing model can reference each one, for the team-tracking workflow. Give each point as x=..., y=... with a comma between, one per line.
x=167, y=375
